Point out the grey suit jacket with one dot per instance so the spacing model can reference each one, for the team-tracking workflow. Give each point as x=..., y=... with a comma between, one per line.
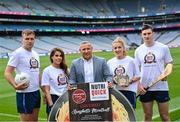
x=100, y=70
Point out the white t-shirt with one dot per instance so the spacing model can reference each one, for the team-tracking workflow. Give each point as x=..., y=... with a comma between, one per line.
x=54, y=77
x=28, y=62
x=127, y=67
x=152, y=60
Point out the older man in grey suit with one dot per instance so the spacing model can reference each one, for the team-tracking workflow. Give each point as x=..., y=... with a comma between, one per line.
x=89, y=68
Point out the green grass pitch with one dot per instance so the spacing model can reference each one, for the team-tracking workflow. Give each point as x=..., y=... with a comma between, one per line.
x=7, y=93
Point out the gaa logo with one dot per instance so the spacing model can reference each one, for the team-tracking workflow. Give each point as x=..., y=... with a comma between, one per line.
x=33, y=63
x=62, y=79
x=120, y=70
x=79, y=96
x=149, y=58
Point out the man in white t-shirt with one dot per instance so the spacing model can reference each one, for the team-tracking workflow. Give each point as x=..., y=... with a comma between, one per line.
x=25, y=60
x=151, y=57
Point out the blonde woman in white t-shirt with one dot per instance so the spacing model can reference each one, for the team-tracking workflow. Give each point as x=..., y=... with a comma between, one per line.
x=54, y=78
x=123, y=67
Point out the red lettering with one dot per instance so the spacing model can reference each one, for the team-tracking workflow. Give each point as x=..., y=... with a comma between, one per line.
x=89, y=105
x=98, y=92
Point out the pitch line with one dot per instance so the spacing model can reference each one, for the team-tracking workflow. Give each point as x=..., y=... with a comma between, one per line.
x=7, y=95
x=172, y=110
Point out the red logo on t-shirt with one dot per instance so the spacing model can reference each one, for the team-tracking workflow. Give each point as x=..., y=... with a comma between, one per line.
x=79, y=96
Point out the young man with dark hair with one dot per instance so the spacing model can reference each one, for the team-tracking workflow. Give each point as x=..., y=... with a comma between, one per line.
x=152, y=57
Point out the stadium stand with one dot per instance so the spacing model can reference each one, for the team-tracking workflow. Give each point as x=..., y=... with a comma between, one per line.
x=167, y=37
x=91, y=7
x=70, y=44
x=175, y=42
x=65, y=23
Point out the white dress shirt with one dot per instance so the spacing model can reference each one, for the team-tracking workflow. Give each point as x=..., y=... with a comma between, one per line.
x=88, y=70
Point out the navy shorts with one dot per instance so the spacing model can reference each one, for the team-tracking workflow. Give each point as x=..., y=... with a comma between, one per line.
x=26, y=102
x=131, y=96
x=159, y=96
x=54, y=98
